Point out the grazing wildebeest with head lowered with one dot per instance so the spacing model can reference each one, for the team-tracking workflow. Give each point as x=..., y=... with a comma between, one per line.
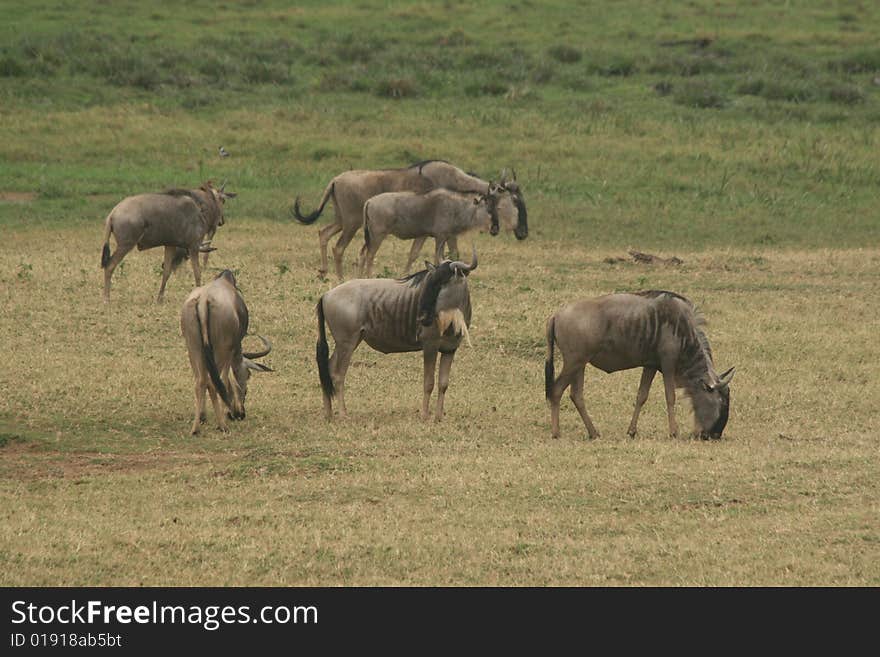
x=441, y=214
x=655, y=330
x=214, y=321
x=350, y=190
x=429, y=311
x=181, y=220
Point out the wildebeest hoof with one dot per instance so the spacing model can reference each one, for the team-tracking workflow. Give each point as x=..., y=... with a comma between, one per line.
x=631, y=434
x=194, y=430
x=593, y=436
x=223, y=428
x=203, y=418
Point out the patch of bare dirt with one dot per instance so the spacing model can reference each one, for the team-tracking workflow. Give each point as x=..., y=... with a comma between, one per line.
x=23, y=461
x=18, y=197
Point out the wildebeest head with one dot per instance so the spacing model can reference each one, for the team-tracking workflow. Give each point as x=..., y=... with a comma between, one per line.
x=711, y=402
x=243, y=374
x=489, y=202
x=446, y=285
x=219, y=196
x=520, y=225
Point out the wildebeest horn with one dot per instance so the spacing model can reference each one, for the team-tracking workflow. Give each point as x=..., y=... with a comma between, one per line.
x=461, y=267
x=726, y=378
x=259, y=354
x=223, y=186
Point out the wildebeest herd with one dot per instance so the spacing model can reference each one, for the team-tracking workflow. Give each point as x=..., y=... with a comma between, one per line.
x=428, y=311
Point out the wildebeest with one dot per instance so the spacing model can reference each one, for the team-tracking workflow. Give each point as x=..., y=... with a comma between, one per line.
x=429, y=311
x=441, y=214
x=181, y=220
x=350, y=190
x=214, y=321
x=655, y=330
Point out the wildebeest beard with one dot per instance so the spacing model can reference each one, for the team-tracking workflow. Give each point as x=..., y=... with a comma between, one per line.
x=492, y=206
x=436, y=279
x=718, y=428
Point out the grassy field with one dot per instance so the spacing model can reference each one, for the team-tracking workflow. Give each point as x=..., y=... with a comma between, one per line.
x=740, y=138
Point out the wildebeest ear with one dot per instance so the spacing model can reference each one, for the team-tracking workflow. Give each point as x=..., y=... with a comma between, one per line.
x=230, y=194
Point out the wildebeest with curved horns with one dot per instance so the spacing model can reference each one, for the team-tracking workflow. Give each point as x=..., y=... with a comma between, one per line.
x=441, y=213
x=655, y=330
x=429, y=311
x=351, y=189
x=178, y=219
x=214, y=321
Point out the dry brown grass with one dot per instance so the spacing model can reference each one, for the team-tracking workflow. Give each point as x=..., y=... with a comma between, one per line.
x=103, y=485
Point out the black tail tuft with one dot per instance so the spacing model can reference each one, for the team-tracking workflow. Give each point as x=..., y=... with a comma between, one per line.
x=366, y=229
x=549, y=374
x=105, y=256
x=322, y=353
x=208, y=352
x=312, y=217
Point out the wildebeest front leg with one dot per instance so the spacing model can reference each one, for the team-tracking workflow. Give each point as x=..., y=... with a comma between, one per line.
x=194, y=259
x=414, y=253
x=648, y=374
x=430, y=362
x=438, y=250
x=669, y=386
x=443, y=382
x=452, y=244
x=577, y=396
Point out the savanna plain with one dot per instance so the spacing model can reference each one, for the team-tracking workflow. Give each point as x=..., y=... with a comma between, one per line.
x=739, y=137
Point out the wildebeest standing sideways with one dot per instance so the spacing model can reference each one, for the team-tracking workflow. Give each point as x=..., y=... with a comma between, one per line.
x=179, y=219
x=351, y=189
x=429, y=311
x=214, y=321
x=441, y=214
x=656, y=330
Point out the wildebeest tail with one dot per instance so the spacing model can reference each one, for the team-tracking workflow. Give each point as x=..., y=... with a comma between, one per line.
x=322, y=353
x=311, y=218
x=208, y=353
x=549, y=374
x=366, y=225
x=105, y=252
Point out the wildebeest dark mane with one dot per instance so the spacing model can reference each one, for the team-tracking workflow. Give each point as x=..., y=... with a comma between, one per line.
x=432, y=281
x=420, y=165
x=415, y=279
x=695, y=358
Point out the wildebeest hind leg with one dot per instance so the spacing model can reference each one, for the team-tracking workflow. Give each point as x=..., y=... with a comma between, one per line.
x=324, y=236
x=648, y=374
x=115, y=259
x=430, y=365
x=562, y=382
x=577, y=396
x=167, y=266
x=339, y=362
x=339, y=249
x=200, y=406
x=218, y=409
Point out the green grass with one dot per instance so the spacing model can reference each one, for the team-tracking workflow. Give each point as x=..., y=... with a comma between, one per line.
x=741, y=139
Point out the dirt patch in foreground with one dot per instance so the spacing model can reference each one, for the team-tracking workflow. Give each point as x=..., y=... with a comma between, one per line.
x=18, y=197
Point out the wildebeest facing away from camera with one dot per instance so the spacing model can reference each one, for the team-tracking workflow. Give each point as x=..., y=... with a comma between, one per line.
x=441, y=214
x=351, y=189
x=655, y=330
x=214, y=321
x=181, y=220
x=429, y=311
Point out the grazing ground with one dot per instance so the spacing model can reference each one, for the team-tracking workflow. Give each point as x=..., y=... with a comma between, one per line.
x=741, y=139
